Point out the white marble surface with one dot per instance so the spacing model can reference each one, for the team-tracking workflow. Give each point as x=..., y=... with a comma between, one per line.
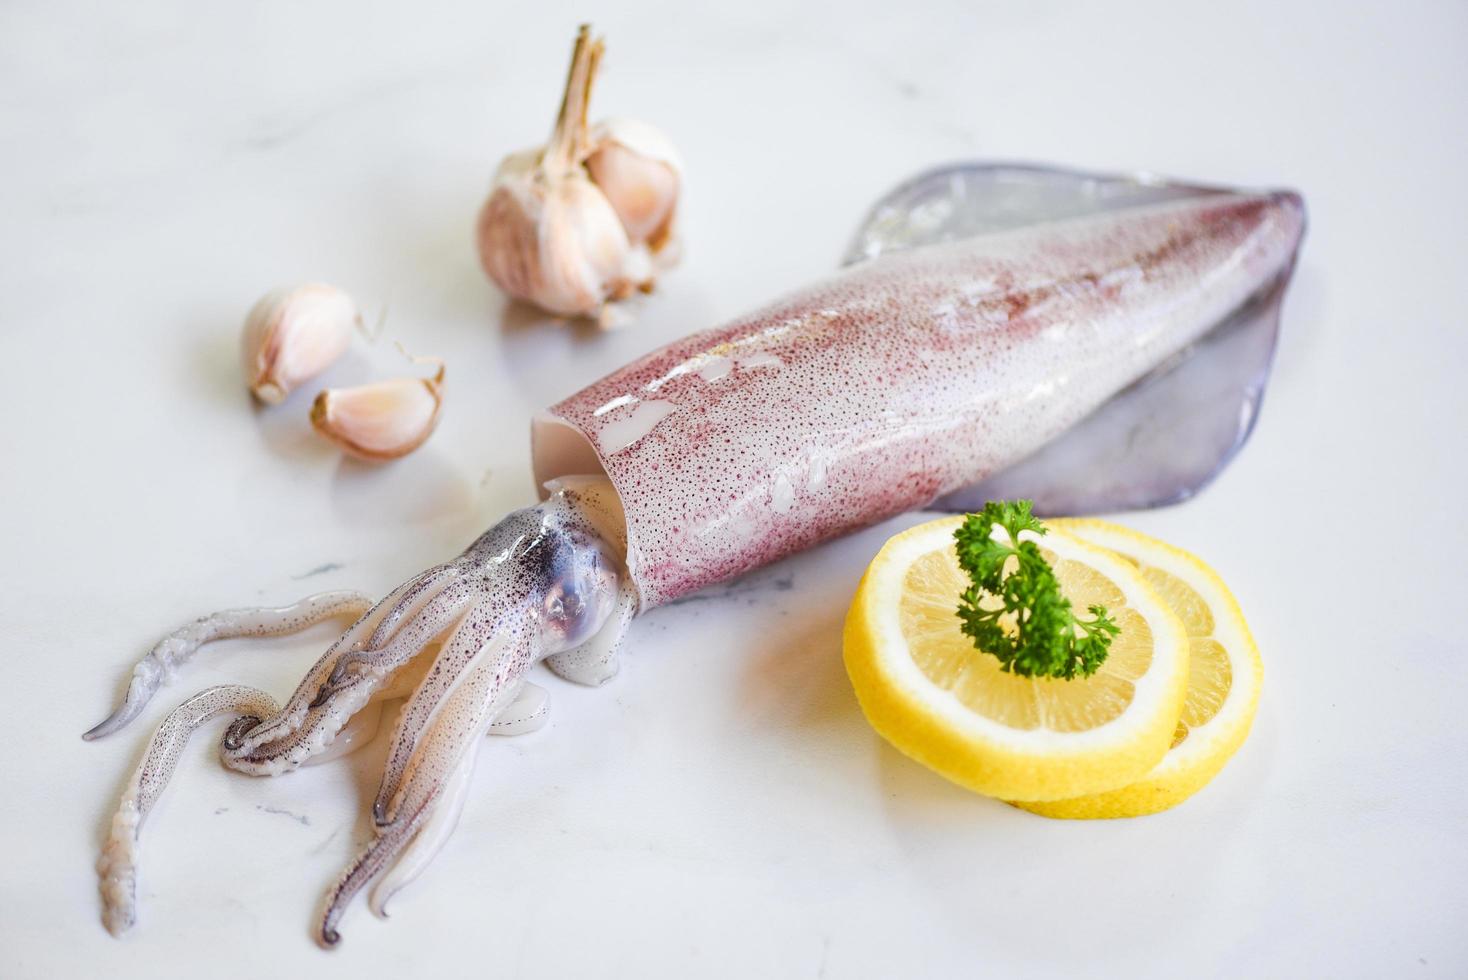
x=720, y=809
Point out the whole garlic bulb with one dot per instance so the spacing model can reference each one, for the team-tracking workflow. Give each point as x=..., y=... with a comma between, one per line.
x=586, y=219
x=556, y=243
x=294, y=334
x=380, y=421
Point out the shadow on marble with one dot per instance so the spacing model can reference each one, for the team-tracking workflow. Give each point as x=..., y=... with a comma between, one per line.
x=212, y=368
x=517, y=318
x=541, y=352
x=797, y=678
x=915, y=791
x=286, y=431
x=794, y=676
x=385, y=494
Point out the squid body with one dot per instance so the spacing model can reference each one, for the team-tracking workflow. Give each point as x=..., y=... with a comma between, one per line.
x=1090, y=342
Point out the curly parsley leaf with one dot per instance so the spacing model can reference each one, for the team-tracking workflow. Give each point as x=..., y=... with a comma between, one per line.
x=1026, y=622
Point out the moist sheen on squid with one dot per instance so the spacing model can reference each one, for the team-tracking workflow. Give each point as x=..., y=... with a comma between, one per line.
x=901, y=380
x=906, y=378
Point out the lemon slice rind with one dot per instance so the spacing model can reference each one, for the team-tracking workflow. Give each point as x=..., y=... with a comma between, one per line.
x=1191, y=764
x=931, y=725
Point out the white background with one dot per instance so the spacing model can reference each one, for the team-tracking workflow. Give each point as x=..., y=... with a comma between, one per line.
x=721, y=808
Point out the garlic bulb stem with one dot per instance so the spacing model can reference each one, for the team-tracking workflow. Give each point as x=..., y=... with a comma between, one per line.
x=568, y=137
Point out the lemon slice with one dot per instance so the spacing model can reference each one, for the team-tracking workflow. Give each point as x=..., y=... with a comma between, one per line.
x=1224, y=677
x=929, y=692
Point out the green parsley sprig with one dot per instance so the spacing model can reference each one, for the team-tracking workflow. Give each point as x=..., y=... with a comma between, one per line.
x=1041, y=636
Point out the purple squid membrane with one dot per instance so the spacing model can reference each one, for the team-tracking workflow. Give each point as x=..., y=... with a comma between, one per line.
x=1160, y=440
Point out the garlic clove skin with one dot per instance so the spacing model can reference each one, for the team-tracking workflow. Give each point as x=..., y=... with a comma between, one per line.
x=381, y=421
x=641, y=174
x=294, y=334
x=556, y=243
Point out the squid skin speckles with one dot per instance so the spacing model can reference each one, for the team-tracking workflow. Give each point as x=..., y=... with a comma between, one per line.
x=997, y=327
x=905, y=378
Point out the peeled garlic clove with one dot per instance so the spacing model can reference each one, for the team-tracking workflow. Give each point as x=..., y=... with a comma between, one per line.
x=294, y=334
x=641, y=174
x=380, y=421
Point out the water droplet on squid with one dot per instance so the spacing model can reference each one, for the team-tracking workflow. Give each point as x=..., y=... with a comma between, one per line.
x=627, y=429
x=760, y=359
x=716, y=368
x=615, y=403
x=818, y=464
x=782, y=494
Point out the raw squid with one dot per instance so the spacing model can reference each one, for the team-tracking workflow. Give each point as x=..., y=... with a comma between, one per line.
x=1090, y=342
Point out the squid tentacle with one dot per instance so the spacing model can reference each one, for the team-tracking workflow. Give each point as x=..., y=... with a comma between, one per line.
x=486, y=686
x=252, y=743
x=423, y=590
x=527, y=713
x=361, y=728
x=118, y=866
x=477, y=632
x=368, y=864
x=351, y=639
x=302, y=732
x=542, y=581
x=436, y=614
x=434, y=830
x=157, y=667
x=318, y=708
